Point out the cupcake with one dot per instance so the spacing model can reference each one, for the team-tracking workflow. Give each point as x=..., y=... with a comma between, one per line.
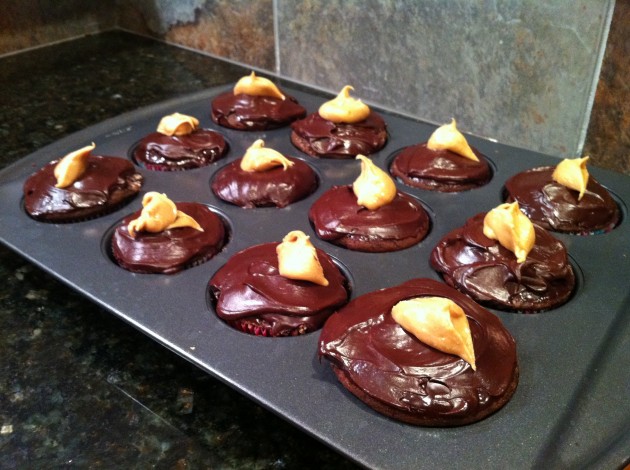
x=502, y=260
x=80, y=186
x=369, y=215
x=264, y=177
x=179, y=144
x=446, y=162
x=342, y=128
x=278, y=289
x=167, y=237
x=255, y=104
x=564, y=198
x=422, y=353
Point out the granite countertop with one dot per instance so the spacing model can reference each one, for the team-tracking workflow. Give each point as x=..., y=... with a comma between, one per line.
x=81, y=388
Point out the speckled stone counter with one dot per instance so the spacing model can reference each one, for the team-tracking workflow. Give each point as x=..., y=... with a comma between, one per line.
x=79, y=388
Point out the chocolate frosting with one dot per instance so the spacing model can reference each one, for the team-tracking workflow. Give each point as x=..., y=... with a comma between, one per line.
x=253, y=113
x=440, y=170
x=395, y=368
x=336, y=215
x=201, y=147
x=340, y=140
x=489, y=273
x=556, y=207
x=106, y=183
x=249, y=286
x=172, y=250
x=274, y=187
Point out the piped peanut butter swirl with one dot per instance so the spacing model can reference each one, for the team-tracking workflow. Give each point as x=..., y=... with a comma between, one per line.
x=257, y=86
x=511, y=228
x=373, y=188
x=297, y=259
x=260, y=158
x=158, y=214
x=72, y=166
x=448, y=137
x=438, y=322
x=178, y=124
x=344, y=108
x=573, y=174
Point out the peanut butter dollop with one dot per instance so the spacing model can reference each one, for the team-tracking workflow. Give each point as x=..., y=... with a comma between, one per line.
x=373, y=188
x=344, y=108
x=259, y=158
x=513, y=229
x=573, y=174
x=257, y=86
x=71, y=167
x=438, y=322
x=159, y=213
x=448, y=137
x=177, y=124
x=297, y=259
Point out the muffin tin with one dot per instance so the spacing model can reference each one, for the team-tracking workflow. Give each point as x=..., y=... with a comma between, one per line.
x=571, y=405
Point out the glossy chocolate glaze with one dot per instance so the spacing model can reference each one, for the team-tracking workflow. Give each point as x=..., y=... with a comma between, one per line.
x=439, y=170
x=556, y=207
x=320, y=137
x=336, y=217
x=274, y=187
x=106, y=183
x=172, y=250
x=254, y=113
x=489, y=273
x=407, y=379
x=161, y=152
x=250, y=288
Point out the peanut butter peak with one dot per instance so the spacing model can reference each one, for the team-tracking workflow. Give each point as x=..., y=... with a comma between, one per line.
x=257, y=86
x=259, y=158
x=177, y=124
x=513, y=229
x=373, y=188
x=159, y=213
x=72, y=166
x=448, y=137
x=344, y=108
x=297, y=259
x=438, y=322
x=573, y=174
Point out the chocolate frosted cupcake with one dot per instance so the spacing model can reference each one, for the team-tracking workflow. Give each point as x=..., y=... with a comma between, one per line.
x=80, y=186
x=278, y=289
x=445, y=163
x=564, y=198
x=179, y=144
x=342, y=128
x=369, y=215
x=167, y=237
x=502, y=260
x=422, y=353
x=264, y=177
x=255, y=104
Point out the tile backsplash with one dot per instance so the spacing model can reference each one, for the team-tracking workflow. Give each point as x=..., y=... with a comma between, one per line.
x=523, y=73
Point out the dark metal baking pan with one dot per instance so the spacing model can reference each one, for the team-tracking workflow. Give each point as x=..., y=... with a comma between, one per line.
x=571, y=406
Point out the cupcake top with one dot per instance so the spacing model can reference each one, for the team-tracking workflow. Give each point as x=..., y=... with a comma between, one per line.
x=167, y=237
x=264, y=177
x=445, y=163
x=564, y=198
x=80, y=186
x=369, y=215
x=255, y=104
x=179, y=144
x=279, y=289
x=502, y=260
x=422, y=353
x=343, y=127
